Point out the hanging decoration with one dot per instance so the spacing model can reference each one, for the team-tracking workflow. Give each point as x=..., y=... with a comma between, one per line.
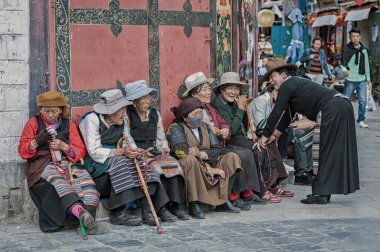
x=223, y=30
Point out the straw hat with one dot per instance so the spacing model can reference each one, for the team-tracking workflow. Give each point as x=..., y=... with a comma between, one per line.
x=265, y=18
x=232, y=78
x=138, y=89
x=194, y=80
x=275, y=65
x=111, y=101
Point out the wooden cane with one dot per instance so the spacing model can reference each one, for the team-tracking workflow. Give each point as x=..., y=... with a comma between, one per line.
x=71, y=179
x=144, y=187
x=249, y=118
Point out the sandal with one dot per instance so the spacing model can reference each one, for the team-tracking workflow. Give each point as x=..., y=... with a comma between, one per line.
x=271, y=197
x=281, y=191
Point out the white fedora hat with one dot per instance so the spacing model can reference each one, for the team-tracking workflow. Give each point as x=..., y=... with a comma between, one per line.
x=194, y=80
x=232, y=78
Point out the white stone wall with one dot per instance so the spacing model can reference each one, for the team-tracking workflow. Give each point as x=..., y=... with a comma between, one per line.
x=14, y=103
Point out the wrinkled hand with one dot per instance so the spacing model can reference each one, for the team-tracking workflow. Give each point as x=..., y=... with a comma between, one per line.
x=262, y=143
x=194, y=151
x=333, y=77
x=165, y=151
x=57, y=144
x=216, y=131
x=203, y=155
x=145, y=153
x=241, y=102
x=346, y=73
x=131, y=153
x=225, y=133
x=271, y=139
x=311, y=56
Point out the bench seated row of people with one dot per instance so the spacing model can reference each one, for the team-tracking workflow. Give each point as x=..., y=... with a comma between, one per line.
x=204, y=158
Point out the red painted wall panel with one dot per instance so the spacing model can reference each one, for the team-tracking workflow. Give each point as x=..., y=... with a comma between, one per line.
x=98, y=58
x=177, y=5
x=179, y=57
x=124, y=4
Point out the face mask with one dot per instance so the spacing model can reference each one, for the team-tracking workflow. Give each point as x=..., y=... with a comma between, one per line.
x=194, y=121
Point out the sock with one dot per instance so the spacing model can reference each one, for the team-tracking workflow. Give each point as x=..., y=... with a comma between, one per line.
x=231, y=183
x=76, y=209
x=247, y=193
x=234, y=196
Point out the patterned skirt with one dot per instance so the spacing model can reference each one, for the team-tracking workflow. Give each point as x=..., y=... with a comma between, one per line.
x=82, y=185
x=123, y=173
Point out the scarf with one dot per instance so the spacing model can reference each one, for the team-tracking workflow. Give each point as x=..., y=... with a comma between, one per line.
x=349, y=50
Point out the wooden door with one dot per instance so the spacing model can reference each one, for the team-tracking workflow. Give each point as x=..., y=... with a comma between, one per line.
x=95, y=44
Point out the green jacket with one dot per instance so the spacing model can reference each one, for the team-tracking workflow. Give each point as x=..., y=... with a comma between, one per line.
x=236, y=118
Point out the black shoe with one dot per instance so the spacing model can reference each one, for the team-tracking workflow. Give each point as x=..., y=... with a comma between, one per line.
x=166, y=216
x=125, y=217
x=87, y=219
x=245, y=206
x=255, y=200
x=303, y=180
x=147, y=217
x=328, y=197
x=227, y=207
x=180, y=213
x=316, y=199
x=196, y=211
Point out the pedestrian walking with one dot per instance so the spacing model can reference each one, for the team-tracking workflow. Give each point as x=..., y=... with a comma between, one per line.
x=316, y=62
x=356, y=69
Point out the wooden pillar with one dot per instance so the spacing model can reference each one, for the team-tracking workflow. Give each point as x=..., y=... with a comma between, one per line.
x=38, y=66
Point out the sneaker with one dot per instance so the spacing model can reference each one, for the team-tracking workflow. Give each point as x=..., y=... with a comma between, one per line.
x=363, y=125
x=245, y=206
x=271, y=197
x=281, y=191
x=255, y=200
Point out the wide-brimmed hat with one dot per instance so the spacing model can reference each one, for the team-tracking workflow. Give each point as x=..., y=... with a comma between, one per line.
x=275, y=65
x=138, y=89
x=51, y=99
x=111, y=101
x=185, y=107
x=194, y=80
x=232, y=78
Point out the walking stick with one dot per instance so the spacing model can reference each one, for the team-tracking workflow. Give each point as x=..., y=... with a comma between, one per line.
x=249, y=100
x=144, y=187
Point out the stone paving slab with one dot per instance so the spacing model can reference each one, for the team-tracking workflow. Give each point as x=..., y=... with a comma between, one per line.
x=298, y=235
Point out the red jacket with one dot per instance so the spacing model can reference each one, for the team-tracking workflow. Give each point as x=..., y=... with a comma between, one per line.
x=29, y=133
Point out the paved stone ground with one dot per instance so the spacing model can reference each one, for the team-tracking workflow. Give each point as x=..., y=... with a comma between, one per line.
x=348, y=223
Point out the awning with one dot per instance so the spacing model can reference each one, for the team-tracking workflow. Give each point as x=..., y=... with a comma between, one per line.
x=325, y=20
x=357, y=15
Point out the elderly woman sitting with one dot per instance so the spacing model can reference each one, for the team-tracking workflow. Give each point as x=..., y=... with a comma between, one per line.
x=145, y=126
x=230, y=103
x=112, y=166
x=209, y=170
x=197, y=85
x=49, y=142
